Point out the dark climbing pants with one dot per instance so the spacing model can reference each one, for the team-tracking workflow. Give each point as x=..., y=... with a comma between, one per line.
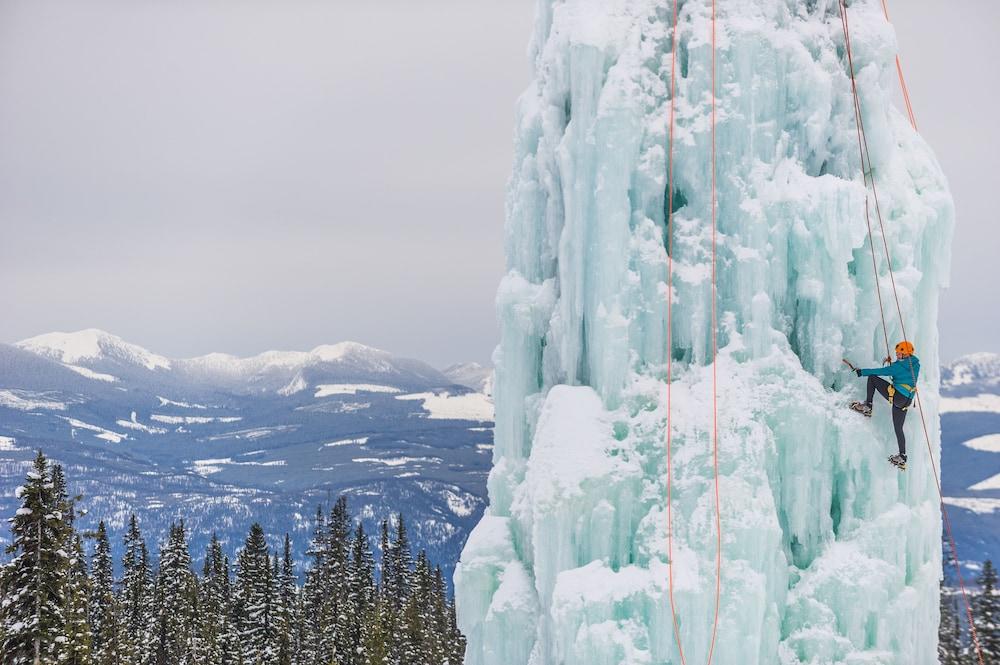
x=899, y=403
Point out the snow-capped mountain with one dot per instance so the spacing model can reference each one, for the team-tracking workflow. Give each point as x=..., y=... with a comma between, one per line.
x=471, y=375
x=224, y=441
x=92, y=347
x=974, y=374
x=970, y=453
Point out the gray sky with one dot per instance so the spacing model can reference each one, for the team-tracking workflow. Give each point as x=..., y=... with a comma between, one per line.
x=240, y=175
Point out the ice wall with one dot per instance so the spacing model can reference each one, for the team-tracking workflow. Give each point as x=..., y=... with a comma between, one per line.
x=830, y=554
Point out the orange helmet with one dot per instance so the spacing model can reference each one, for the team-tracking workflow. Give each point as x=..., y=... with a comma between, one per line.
x=904, y=348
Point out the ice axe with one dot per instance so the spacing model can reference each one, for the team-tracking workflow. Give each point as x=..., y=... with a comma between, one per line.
x=849, y=364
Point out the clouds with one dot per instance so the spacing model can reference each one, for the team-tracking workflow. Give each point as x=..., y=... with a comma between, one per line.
x=202, y=175
x=236, y=176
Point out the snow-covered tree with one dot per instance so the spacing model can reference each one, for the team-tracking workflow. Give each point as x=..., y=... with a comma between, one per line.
x=104, y=611
x=986, y=613
x=253, y=599
x=135, y=598
x=286, y=606
x=77, y=637
x=214, y=628
x=175, y=603
x=37, y=578
x=949, y=630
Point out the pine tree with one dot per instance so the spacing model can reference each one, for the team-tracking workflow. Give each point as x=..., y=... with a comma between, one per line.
x=286, y=605
x=397, y=573
x=949, y=630
x=33, y=611
x=417, y=645
x=213, y=608
x=135, y=598
x=252, y=599
x=986, y=613
x=340, y=617
x=313, y=595
x=174, y=607
x=104, y=611
x=77, y=646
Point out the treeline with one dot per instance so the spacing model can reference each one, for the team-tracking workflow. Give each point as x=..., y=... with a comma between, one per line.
x=57, y=608
x=955, y=643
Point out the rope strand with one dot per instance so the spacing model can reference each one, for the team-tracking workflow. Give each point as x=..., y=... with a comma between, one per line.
x=902, y=325
x=670, y=341
x=715, y=427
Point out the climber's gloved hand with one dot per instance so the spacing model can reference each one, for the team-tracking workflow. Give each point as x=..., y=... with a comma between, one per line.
x=857, y=371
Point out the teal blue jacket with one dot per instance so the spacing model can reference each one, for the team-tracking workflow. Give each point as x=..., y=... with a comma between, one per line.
x=904, y=374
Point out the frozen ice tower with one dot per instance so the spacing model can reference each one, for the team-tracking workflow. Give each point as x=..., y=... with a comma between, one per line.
x=830, y=555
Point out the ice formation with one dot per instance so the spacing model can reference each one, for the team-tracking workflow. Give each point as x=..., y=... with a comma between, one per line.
x=830, y=555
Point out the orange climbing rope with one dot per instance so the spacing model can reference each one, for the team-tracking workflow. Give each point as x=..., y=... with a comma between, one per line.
x=866, y=157
x=902, y=79
x=715, y=380
x=670, y=298
x=715, y=426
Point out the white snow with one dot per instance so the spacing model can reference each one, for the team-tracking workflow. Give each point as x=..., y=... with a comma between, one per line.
x=394, y=461
x=23, y=511
x=980, y=369
x=444, y=406
x=351, y=351
x=101, y=433
x=206, y=467
x=987, y=444
x=91, y=374
x=91, y=344
x=224, y=365
x=991, y=483
x=296, y=385
x=461, y=503
x=193, y=420
x=253, y=433
x=24, y=400
x=984, y=402
x=134, y=424
x=184, y=405
x=7, y=444
x=347, y=442
x=976, y=505
x=328, y=389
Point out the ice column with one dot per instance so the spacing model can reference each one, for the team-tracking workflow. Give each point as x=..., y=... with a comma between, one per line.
x=830, y=555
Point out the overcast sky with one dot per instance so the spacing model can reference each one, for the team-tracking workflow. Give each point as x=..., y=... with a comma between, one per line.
x=241, y=175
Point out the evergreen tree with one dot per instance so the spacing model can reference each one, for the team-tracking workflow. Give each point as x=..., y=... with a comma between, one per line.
x=949, y=630
x=135, y=598
x=986, y=613
x=36, y=580
x=252, y=600
x=313, y=595
x=77, y=646
x=213, y=606
x=104, y=611
x=286, y=605
x=52, y=607
x=174, y=606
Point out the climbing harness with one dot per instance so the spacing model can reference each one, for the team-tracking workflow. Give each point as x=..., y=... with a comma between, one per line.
x=715, y=424
x=865, y=157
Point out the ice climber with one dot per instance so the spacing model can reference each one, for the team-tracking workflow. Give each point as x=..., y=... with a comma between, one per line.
x=899, y=393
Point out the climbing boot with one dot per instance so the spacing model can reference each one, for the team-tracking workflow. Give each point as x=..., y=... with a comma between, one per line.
x=862, y=408
x=898, y=461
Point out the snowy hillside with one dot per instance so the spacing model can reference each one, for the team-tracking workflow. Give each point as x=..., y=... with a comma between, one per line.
x=226, y=440
x=828, y=554
x=970, y=454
